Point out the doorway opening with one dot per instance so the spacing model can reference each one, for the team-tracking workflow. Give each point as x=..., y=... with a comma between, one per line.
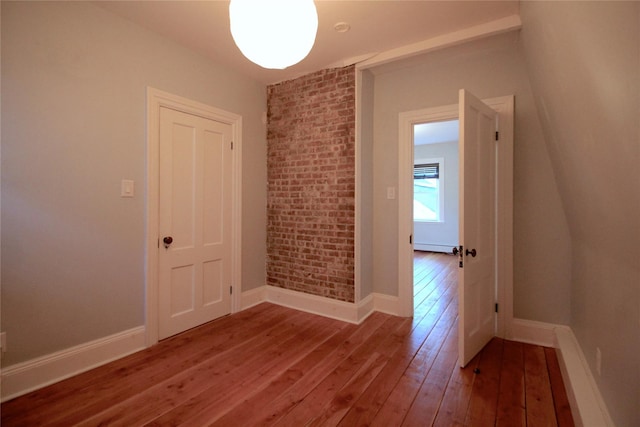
x=504, y=106
x=435, y=186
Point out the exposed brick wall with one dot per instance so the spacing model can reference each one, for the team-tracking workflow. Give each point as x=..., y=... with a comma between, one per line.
x=311, y=184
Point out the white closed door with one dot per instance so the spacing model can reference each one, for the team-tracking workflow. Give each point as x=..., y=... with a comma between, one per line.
x=194, y=221
x=477, y=228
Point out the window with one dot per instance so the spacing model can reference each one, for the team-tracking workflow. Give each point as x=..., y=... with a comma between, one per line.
x=427, y=191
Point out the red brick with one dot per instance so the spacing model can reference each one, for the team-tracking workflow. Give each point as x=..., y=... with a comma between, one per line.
x=311, y=184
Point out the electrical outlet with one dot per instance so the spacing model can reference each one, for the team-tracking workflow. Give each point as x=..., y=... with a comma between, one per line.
x=598, y=361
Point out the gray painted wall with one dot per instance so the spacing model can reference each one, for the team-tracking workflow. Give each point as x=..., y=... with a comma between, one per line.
x=488, y=68
x=364, y=192
x=584, y=60
x=74, y=81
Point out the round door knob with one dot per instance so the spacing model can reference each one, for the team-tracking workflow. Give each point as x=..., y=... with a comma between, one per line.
x=471, y=252
x=455, y=250
x=168, y=240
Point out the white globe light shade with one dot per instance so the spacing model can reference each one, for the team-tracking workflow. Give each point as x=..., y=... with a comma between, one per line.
x=274, y=33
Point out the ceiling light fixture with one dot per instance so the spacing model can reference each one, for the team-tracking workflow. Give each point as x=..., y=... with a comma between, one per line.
x=274, y=33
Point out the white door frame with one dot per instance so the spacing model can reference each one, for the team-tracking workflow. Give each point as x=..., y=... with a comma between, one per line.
x=504, y=175
x=155, y=100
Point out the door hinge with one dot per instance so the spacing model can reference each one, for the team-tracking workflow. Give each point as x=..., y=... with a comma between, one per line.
x=410, y=239
x=497, y=135
x=230, y=290
x=496, y=307
x=232, y=145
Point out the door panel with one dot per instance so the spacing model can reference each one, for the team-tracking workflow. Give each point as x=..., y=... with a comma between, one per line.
x=213, y=184
x=182, y=283
x=213, y=280
x=195, y=205
x=477, y=275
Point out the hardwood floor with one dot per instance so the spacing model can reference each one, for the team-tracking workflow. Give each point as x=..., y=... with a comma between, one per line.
x=270, y=365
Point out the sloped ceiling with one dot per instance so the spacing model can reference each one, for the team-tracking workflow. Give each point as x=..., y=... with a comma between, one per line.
x=583, y=64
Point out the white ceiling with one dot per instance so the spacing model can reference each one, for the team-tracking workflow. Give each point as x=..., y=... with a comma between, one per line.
x=435, y=132
x=376, y=26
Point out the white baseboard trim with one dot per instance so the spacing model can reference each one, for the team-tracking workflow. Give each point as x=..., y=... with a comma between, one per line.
x=33, y=374
x=348, y=312
x=433, y=248
x=366, y=307
x=532, y=332
x=252, y=297
x=386, y=304
x=587, y=405
x=327, y=307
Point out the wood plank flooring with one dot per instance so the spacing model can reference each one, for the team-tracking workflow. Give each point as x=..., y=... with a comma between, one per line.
x=270, y=365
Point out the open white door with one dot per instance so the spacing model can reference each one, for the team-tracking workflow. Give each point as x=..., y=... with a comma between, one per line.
x=477, y=250
x=194, y=271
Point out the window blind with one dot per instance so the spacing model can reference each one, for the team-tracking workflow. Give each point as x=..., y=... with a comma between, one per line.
x=426, y=171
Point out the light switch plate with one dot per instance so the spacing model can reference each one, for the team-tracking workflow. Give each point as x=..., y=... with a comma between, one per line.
x=126, y=188
x=391, y=193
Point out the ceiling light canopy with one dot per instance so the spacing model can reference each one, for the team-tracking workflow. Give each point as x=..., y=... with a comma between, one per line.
x=274, y=33
x=342, y=27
